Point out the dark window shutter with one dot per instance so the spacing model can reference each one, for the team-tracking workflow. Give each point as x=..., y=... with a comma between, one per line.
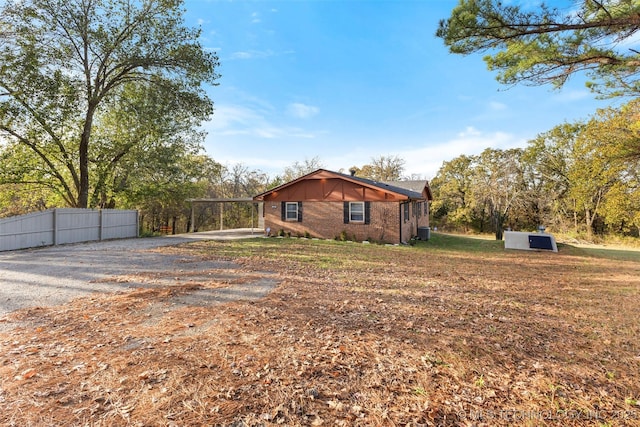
x=346, y=212
x=299, y=211
x=367, y=212
x=283, y=211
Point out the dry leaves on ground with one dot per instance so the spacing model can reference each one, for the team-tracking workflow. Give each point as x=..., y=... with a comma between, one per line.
x=352, y=335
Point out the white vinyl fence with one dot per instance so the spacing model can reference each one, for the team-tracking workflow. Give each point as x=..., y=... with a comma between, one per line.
x=59, y=226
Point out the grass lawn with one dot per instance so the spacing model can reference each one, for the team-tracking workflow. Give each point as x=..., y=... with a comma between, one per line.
x=453, y=331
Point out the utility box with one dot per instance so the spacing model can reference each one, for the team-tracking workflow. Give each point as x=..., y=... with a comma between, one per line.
x=529, y=241
x=424, y=233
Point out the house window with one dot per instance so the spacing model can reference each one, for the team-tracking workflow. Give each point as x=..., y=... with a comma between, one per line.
x=356, y=212
x=291, y=211
x=406, y=212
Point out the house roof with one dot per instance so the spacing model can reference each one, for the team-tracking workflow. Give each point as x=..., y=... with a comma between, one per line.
x=412, y=190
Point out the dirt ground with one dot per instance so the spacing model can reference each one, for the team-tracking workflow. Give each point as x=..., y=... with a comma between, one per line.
x=352, y=335
x=54, y=275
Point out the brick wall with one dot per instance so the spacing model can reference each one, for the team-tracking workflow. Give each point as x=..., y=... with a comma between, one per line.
x=418, y=217
x=326, y=220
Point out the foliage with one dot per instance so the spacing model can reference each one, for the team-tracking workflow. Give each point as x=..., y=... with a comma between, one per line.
x=351, y=335
x=538, y=44
x=577, y=177
x=75, y=74
x=298, y=169
x=382, y=168
x=223, y=182
x=453, y=198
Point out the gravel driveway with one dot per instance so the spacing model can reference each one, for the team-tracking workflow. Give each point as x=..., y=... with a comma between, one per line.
x=55, y=275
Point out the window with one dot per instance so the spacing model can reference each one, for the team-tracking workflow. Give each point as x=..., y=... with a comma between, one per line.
x=291, y=211
x=406, y=212
x=356, y=212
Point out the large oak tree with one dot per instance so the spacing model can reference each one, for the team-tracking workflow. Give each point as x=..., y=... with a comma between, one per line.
x=69, y=67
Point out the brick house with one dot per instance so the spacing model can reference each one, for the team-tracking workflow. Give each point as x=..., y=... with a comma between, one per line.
x=327, y=204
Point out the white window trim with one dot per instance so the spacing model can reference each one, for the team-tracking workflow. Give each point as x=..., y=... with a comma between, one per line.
x=359, y=221
x=287, y=211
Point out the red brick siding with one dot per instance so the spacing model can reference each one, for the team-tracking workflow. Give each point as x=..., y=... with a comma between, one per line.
x=326, y=220
x=417, y=218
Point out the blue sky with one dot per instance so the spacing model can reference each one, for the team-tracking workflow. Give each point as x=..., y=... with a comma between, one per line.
x=346, y=81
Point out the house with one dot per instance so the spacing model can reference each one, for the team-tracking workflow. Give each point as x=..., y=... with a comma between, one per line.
x=328, y=204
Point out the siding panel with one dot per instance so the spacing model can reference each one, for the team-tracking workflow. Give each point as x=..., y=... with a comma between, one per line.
x=59, y=226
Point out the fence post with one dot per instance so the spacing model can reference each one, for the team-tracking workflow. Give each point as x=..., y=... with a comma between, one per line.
x=55, y=227
x=100, y=222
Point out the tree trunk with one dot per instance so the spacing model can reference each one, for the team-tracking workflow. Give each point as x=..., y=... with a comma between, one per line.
x=83, y=191
x=499, y=222
x=589, y=217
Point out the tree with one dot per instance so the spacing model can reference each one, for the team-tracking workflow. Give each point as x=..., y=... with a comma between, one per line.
x=498, y=183
x=452, y=188
x=146, y=123
x=550, y=155
x=548, y=45
x=165, y=178
x=65, y=64
x=298, y=169
x=626, y=126
x=383, y=168
x=603, y=179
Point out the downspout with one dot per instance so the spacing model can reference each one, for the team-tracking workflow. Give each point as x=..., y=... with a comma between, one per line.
x=415, y=215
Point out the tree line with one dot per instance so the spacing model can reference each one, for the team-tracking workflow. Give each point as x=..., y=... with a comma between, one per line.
x=579, y=178
x=101, y=103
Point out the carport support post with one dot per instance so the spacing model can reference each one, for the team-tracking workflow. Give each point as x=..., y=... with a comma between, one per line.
x=193, y=218
x=221, y=216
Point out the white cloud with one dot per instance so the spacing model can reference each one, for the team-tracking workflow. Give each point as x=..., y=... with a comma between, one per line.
x=251, y=54
x=248, y=54
x=571, y=95
x=468, y=132
x=302, y=111
x=497, y=106
x=232, y=120
x=428, y=159
x=255, y=18
x=226, y=117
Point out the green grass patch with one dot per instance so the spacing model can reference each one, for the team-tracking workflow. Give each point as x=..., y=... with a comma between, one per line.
x=602, y=253
x=458, y=243
x=331, y=254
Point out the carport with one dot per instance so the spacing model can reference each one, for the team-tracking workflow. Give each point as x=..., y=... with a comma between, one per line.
x=222, y=202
